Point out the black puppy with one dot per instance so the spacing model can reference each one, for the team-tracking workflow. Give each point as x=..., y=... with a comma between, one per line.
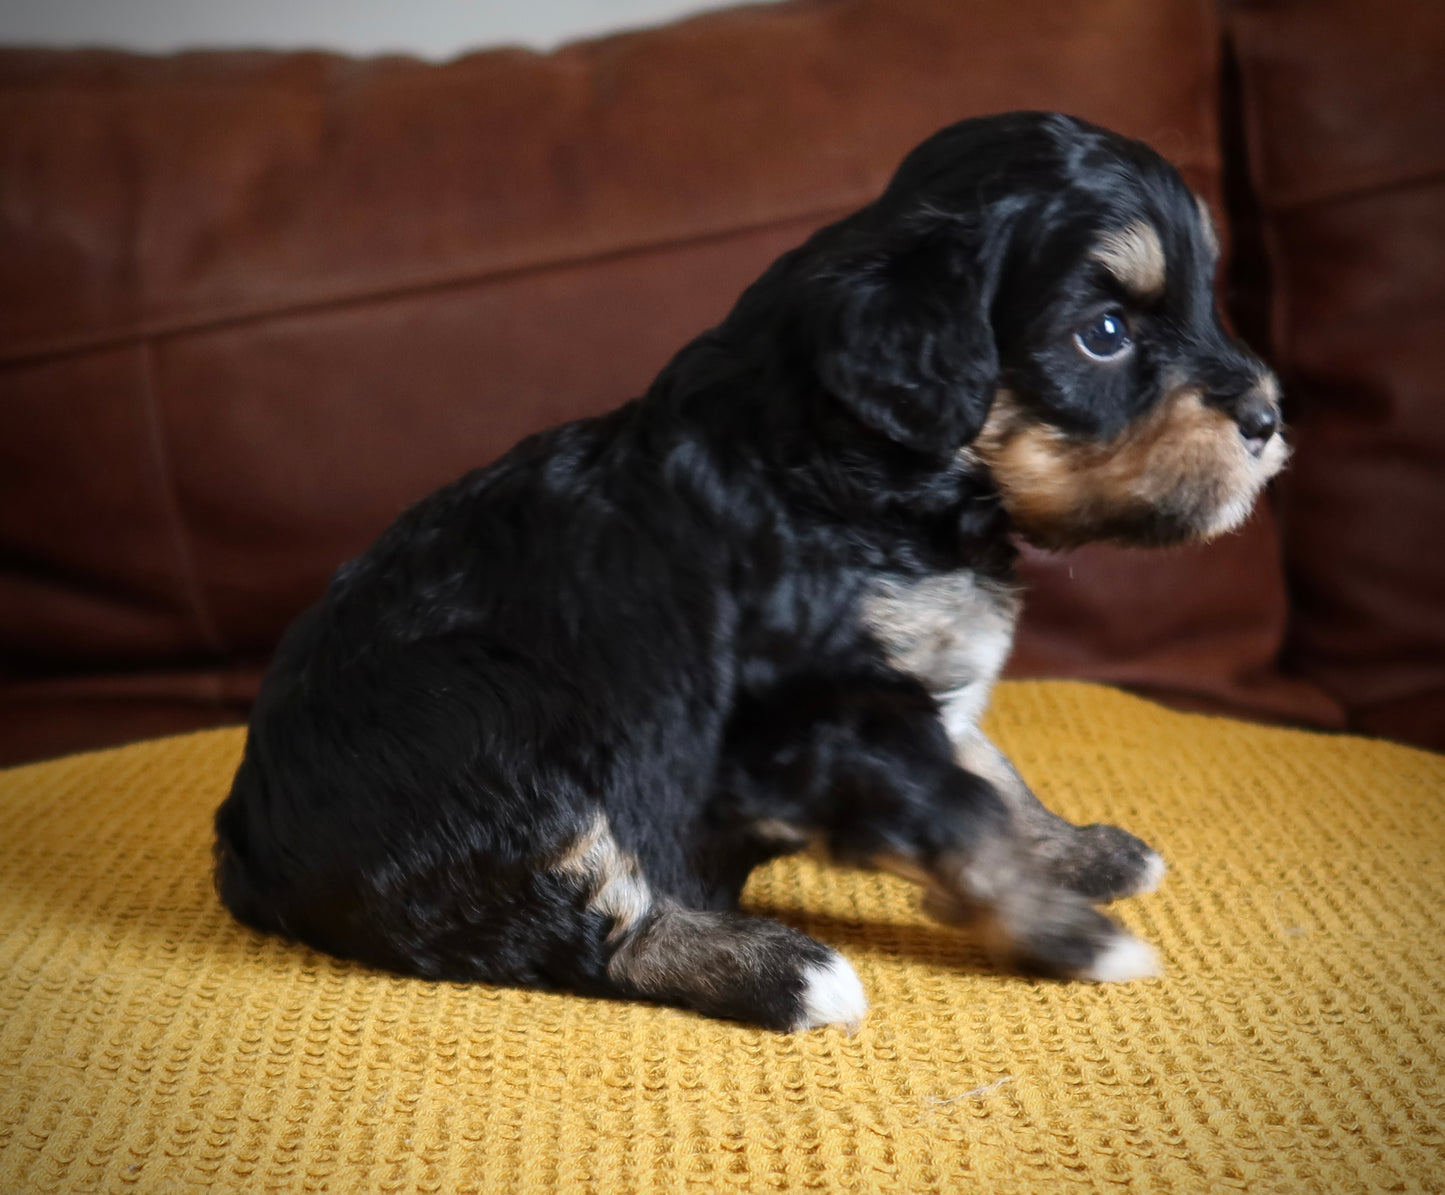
x=542, y=731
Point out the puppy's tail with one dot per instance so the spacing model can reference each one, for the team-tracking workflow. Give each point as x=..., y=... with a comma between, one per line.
x=235, y=883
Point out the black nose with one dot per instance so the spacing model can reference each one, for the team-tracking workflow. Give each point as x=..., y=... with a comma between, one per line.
x=1257, y=421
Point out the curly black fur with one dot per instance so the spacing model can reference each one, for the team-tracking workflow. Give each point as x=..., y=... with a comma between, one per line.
x=543, y=729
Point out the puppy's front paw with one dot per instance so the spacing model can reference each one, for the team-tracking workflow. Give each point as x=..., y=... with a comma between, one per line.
x=1123, y=959
x=1058, y=933
x=1104, y=863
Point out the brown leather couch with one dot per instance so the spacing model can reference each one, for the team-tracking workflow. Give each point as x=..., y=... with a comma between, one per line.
x=251, y=305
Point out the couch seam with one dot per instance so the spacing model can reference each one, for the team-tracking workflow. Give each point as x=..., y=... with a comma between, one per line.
x=319, y=303
x=1354, y=192
x=95, y=342
x=212, y=322
x=191, y=589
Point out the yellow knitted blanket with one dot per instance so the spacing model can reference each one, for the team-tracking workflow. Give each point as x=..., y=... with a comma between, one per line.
x=1294, y=1043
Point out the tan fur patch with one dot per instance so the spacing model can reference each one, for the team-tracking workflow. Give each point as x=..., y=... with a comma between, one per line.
x=959, y=885
x=1183, y=459
x=976, y=753
x=1135, y=256
x=903, y=867
x=611, y=877
x=1269, y=388
x=784, y=834
x=1206, y=222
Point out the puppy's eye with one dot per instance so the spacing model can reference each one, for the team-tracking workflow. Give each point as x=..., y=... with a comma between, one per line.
x=1106, y=338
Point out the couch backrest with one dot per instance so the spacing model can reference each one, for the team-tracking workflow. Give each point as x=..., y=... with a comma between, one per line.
x=1345, y=110
x=252, y=305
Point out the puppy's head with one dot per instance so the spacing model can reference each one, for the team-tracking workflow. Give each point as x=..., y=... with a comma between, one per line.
x=1036, y=294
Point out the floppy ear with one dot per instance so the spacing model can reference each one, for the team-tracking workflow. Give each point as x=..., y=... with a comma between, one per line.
x=903, y=341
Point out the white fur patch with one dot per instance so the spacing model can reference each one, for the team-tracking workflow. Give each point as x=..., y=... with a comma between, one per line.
x=833, y=996
x=1153, y=875
x=962, y=709
x=1257, y=472
x=1128, y=958
x=952, y=631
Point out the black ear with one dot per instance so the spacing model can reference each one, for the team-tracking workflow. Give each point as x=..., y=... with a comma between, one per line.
x=903, y=341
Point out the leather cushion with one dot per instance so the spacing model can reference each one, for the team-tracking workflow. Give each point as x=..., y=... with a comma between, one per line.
x=251, y=305
x=1345, y=106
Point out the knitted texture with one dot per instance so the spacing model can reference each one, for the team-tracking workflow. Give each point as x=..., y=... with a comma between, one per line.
x=1294, y=1043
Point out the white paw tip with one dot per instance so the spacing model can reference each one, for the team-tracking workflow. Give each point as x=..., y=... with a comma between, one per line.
x=1154, y=869
x=832, y=995
x=1124, y=959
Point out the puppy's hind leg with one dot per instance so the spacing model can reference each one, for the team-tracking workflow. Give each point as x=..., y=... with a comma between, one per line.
x=718, y=962
x=739, y=967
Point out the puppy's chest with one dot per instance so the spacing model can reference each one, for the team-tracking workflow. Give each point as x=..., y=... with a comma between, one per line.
x=952, y=631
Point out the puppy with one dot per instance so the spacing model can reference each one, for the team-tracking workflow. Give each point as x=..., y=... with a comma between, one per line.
x=541, y=732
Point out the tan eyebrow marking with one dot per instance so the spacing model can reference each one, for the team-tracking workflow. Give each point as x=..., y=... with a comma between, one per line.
x=1135, y=256
x=1206, y=221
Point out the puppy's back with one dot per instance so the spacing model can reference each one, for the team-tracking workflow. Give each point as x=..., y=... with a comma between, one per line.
x=434, y=731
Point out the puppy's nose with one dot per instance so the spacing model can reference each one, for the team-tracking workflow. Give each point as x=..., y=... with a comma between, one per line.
x=1258, y=421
